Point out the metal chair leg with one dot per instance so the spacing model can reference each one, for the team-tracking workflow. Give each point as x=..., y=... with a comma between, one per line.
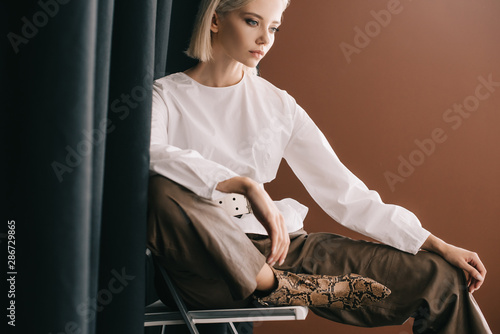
x=233, y=329
x=180, y=303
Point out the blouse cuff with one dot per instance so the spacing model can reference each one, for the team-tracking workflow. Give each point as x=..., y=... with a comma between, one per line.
x=216, y=194
x=418, y=240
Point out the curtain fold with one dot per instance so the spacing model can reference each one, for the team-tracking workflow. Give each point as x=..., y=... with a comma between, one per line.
x=76, y=97
x=104, y=16
x=126, y=173
x=163, y=23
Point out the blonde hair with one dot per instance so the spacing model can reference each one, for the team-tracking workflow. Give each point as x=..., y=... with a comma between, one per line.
x=200, y=45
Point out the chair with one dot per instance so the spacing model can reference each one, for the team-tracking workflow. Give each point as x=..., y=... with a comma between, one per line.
x=157, y=314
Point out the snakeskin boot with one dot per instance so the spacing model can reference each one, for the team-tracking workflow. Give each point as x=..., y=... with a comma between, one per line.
x=346, y=292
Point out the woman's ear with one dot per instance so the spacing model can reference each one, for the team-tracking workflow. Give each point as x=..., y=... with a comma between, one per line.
x=214, y=27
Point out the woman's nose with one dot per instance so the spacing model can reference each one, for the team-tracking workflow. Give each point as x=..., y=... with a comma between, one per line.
x=264, y=37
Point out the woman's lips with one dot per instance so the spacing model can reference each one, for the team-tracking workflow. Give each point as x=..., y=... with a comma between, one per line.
x=257, y=53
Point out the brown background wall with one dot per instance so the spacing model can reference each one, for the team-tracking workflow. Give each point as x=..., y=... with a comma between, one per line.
x=395, y=90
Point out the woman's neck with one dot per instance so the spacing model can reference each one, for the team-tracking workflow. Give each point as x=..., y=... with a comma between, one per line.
x=216, y=74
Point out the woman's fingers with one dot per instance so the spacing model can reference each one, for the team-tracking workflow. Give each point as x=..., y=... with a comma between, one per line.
x=285, y=242
x=475, y=279
x=279, y=241
x=476, y=263
x=476, y=270
x=275, y=236
x=470, y=262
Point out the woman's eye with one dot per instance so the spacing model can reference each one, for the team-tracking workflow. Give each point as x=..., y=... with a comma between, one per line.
x=274, y=30
x=251, y=22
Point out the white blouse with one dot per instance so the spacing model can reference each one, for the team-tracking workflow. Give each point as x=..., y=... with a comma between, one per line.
x=203, y=135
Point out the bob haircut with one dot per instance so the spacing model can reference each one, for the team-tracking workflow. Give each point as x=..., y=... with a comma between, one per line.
x=200, y=46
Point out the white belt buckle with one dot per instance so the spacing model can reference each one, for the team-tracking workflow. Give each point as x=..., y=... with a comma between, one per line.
x=235, y=205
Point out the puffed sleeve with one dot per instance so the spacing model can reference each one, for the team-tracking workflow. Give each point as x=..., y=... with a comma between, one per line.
x=342, y=195
x=186, y=167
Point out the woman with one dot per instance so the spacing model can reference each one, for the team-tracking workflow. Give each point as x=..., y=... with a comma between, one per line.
x=219, y=129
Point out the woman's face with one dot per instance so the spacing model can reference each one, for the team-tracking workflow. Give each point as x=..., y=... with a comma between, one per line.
x=245, y=35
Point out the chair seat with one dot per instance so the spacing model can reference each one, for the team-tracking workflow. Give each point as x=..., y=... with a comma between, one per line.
x=157, y=314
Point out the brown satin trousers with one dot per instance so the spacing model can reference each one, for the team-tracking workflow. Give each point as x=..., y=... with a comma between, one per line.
x=214, y=265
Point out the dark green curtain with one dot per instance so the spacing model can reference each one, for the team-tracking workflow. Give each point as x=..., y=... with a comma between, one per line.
x=76, y=81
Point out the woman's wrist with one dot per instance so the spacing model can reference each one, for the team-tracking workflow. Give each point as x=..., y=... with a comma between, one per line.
x=238, y=184
x=435, y=245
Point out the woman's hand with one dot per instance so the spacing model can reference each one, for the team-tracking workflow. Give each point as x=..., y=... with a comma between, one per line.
x=468, y=261
x=265, y=211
